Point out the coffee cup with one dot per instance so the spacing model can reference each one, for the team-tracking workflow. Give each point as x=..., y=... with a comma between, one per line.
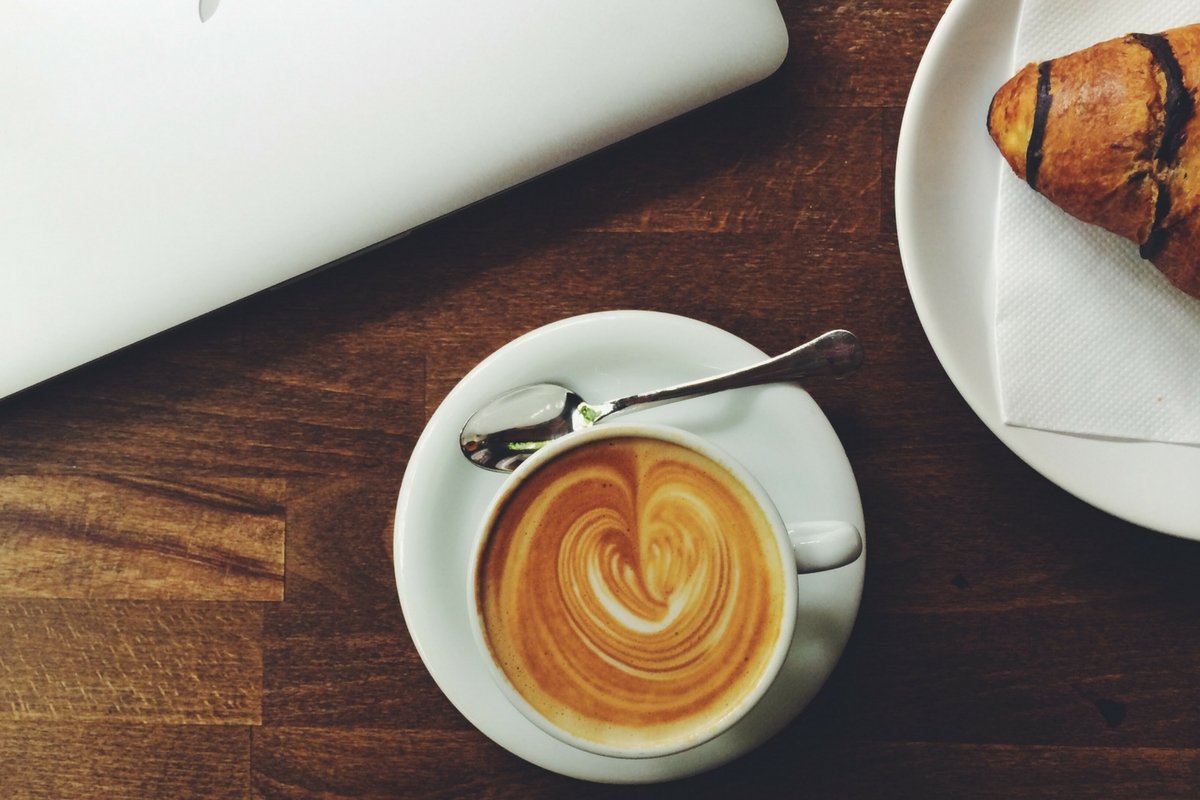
x=633, y=589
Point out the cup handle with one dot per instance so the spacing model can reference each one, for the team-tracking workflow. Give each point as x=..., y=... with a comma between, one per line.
x=824, y=545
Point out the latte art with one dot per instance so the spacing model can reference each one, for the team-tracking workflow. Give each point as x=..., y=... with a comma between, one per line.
x=631, y=590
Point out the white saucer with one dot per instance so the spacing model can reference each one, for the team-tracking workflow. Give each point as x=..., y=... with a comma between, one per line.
x=778, y=433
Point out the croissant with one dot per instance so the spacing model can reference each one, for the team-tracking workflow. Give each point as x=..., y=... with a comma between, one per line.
x=1110, y=134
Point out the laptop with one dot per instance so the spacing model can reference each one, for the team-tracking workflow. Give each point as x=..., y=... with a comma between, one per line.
x=163, y=158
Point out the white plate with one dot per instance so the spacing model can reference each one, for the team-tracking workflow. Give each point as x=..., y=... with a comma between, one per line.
x=777, y=432
x=947, y=173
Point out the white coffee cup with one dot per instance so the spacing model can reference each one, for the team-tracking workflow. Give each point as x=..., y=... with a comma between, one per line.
x=791, y=547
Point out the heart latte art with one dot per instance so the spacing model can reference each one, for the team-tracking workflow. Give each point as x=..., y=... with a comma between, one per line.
x=632, y=590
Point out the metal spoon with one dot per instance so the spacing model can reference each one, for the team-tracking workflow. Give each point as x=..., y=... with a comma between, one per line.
x=517, y=424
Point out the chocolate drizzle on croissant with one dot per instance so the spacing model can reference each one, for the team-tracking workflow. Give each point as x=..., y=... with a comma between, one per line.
x=1111, y=135
x=1178, y=108
x=1037, y=138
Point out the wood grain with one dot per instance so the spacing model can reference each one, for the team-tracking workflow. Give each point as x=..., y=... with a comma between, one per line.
x=307, y=763
x=48, y=761
x=124, y=538
x=184, y=663
x=197, y=596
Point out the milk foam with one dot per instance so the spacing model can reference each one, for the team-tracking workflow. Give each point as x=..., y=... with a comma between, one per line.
x=632, y=591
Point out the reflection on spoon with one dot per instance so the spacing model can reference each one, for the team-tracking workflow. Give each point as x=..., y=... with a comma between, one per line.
x=519, y=423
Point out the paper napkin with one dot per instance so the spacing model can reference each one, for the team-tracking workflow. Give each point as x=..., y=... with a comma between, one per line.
x=1090, y=339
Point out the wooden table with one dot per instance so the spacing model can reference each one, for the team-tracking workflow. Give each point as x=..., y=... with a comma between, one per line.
x=196, y=586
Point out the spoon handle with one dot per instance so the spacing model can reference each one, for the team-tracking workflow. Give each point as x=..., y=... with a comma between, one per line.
x=834, y=353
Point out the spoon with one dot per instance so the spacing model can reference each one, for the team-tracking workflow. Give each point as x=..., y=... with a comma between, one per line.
x=520, y=422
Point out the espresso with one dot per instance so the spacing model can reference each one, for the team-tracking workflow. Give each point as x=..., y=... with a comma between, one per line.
x=632, y=591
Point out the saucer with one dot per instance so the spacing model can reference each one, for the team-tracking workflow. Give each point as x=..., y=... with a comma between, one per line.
x=777, y=432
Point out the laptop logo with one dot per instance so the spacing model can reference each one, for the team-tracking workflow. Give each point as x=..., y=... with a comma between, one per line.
x=208, y=8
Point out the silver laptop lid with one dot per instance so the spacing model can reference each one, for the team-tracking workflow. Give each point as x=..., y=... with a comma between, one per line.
x=162, y=158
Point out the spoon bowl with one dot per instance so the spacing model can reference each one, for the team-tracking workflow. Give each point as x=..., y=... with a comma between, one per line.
x=520, y=422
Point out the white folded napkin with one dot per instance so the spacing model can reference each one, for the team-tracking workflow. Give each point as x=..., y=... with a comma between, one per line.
x=1090, y=338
